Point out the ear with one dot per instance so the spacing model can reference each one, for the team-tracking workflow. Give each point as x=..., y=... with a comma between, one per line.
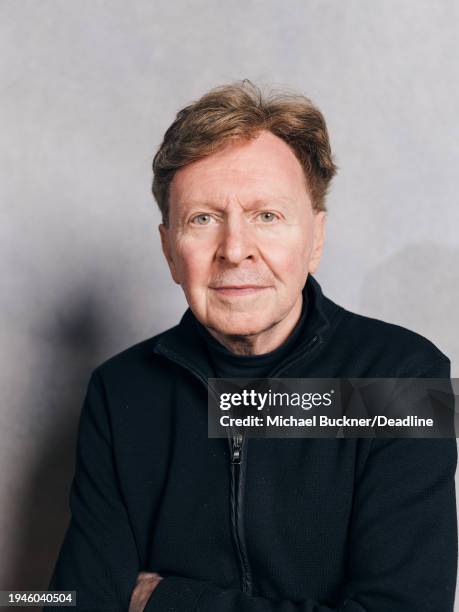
x=318, y=240
x=165, y=244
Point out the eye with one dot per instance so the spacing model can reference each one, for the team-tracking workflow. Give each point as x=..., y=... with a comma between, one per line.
x=268, y=216
x=202, y=219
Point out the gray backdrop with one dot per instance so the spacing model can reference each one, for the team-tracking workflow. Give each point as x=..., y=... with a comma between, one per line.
x=88, y=89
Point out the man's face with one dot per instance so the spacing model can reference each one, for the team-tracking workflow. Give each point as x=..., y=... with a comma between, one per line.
x=242, y=217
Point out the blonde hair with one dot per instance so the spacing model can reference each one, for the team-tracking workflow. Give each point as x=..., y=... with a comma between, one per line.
x=240, y=110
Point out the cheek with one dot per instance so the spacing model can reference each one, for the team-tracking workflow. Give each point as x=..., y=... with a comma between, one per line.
x=193, y=260
x=288, y=257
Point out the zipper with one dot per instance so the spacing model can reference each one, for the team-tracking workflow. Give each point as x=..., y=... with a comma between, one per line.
x=238, y=445
x=236, y=448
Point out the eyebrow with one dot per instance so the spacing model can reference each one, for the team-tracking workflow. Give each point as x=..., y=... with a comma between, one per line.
x=188, y=203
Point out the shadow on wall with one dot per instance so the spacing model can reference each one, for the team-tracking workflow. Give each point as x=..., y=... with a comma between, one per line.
x=42, y=514
x=418, y=288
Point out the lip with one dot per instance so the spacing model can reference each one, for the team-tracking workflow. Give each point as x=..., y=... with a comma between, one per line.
x=238, y=290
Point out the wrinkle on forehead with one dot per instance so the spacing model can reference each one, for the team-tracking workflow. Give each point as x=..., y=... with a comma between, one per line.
x=264, y=169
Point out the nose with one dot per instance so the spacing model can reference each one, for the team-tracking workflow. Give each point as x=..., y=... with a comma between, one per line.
x=235, y=241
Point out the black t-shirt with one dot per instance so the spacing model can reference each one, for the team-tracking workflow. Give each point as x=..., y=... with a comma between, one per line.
x=227, y=364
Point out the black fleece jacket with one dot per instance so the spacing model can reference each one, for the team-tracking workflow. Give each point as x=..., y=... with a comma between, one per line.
x=298, y=525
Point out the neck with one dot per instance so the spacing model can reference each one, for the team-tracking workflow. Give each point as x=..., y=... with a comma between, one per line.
x=265, y=341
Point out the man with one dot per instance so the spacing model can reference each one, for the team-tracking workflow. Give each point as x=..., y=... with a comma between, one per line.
x=165, y=518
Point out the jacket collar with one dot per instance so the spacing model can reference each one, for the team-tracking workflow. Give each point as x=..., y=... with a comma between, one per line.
x=184, y=345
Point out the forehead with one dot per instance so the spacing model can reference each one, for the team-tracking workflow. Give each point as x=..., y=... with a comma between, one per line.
x=263, y=168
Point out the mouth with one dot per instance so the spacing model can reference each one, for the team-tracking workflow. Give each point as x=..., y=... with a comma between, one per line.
x=238, y=290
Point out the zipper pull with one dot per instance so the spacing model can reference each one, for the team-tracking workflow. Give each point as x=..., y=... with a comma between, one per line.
x=236, y=448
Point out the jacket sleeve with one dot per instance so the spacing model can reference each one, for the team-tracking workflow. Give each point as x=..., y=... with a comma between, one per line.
x=402, y=539
x=98, y=557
